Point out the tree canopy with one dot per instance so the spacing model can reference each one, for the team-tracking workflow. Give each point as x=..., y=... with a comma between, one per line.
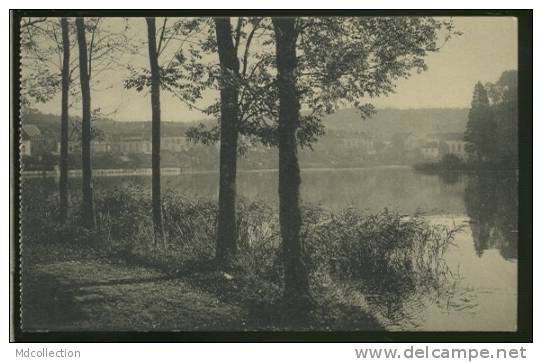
x=341, y=61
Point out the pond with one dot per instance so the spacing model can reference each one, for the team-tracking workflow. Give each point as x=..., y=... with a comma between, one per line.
x=483, y=257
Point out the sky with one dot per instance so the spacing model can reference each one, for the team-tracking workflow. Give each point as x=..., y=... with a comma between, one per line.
x=487, y=47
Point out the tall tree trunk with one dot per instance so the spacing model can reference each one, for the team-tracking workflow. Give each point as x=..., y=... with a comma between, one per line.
x=88, y=202
x=155, y=103
x=226, y=242
x=296, y=285
x=63, y=164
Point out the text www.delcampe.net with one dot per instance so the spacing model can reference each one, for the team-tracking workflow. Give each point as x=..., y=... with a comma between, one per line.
x=444, y=353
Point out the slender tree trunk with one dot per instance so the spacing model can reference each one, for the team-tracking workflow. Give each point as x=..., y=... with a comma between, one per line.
x=155, y=103
x=88, y=202
x=63, y=164
x=296, y=285
x=226, y=242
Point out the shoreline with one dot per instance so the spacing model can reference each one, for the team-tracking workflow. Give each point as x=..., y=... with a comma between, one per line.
x=171, y=171
x=178, y=171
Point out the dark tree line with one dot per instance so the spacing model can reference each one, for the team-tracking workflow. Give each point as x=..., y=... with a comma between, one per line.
x=492, y=128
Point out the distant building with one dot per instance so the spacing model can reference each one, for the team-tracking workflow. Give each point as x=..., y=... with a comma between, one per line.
x=359, y=141
x=74, y=147
x=405, y=142
x=129, y=144
x=134, y=144
x=444, y=143
x=32, y=141
x=26, y=147
x=430, y=150
x=174, y=144
x=100, y=146
x=453, y=144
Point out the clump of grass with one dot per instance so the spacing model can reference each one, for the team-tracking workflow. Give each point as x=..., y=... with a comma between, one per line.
x=43, y=237
x=394, y=261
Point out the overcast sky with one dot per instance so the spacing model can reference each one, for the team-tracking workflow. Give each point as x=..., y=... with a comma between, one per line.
x=487, y=47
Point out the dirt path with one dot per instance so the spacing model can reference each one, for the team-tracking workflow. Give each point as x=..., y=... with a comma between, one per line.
x=95, y=295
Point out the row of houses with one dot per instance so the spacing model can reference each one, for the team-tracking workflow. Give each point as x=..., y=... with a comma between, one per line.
x=360, y=141
x=132, y=144
x=33, y=143
x=430, y=147
x=439, y=144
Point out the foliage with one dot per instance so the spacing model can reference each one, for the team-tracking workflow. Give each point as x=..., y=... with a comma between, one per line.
x=480, y=131
x=334, y=69
x=43, y=236
x=492, y=130
x=504, y=98
x=392, y=259
x=41, y=58
x=44, y=161
x=175, y=38
x=41, y=55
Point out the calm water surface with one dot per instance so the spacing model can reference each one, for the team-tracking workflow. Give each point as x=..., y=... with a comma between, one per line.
x=485, y=252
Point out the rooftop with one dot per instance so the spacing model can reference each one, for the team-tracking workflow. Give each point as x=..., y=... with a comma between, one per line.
x=30, y=131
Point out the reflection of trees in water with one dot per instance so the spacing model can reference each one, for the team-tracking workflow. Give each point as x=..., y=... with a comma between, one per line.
x=450, y=178
x=491, y=201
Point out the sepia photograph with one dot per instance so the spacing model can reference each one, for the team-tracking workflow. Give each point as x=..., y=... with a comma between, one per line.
x=270, y=173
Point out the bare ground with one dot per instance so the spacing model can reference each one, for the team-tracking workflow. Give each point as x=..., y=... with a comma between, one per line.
x=94, y=295
x=79, y=288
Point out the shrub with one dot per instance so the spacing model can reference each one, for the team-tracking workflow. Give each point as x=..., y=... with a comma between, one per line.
x=449, y=162
x=452, y=162
x=122, y=216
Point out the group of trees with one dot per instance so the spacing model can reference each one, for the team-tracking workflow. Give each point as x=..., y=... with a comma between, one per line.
x=266, y=70
x=48, y=67
x=492, y=129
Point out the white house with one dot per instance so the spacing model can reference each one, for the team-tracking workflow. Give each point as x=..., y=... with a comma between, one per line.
x=430, y=150
x=32, y=141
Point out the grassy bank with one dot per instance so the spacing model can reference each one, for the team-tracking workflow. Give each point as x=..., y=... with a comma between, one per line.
x=365, y=270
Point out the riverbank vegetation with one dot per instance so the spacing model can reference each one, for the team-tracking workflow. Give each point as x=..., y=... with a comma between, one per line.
x=364, y=270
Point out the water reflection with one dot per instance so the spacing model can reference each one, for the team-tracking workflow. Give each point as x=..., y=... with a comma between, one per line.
x=492, y=205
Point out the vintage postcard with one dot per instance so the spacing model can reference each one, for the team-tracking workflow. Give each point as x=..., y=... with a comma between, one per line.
x=271, y=173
